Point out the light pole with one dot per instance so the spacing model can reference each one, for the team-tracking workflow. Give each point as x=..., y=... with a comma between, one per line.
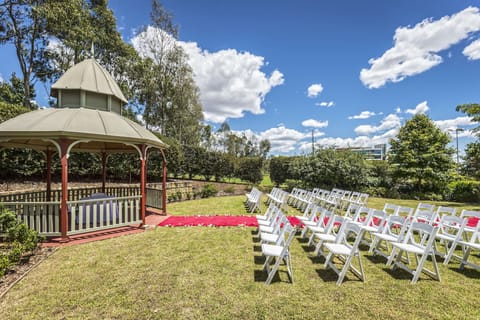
x=457, y=130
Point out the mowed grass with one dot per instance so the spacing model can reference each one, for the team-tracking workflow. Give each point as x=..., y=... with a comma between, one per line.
x=215, y=273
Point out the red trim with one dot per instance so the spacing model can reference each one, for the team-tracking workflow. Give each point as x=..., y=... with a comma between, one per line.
x=143, y=182
x=164, y=187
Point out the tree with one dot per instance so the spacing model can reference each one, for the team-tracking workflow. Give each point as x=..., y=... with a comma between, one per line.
x=250, y=169
x=167, y=89
x=420, y=156
x=471, y=164
x=14, y=92
x=22, y=25
x=472, y=110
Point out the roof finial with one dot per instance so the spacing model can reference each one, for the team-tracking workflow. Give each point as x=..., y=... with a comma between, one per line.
x=92, y=51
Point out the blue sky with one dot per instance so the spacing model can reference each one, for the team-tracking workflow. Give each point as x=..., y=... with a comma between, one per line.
x=351, y=71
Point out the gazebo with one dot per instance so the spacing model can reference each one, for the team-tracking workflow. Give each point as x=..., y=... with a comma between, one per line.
x=88, y=118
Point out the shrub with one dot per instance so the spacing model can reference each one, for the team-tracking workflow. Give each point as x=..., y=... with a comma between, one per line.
x=465, y=191
x=229, y=190
x=19, y=240
x=208, y=190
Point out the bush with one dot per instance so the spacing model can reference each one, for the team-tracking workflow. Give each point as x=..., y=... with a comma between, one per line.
x=208, y=190
x=19, y=240
x=465, y=191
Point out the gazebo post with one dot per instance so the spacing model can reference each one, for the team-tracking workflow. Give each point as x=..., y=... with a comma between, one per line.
x=143, y=182
x=49, y=175
x=104, y=170
x=164, y=184
x=64, y=209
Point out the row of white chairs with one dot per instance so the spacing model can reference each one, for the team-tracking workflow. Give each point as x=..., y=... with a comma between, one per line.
x=410, y=233
x=275, y=233
x=253, y=200
x=277, y=196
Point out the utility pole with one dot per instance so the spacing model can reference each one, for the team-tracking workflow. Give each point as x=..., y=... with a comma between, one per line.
x=313, y=143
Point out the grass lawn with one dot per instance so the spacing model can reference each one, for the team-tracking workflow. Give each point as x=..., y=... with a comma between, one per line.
x=215, y=273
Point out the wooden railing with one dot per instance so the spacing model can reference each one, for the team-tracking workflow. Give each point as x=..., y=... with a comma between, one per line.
x=43, y=217
x=103, y=213
x=119, y=207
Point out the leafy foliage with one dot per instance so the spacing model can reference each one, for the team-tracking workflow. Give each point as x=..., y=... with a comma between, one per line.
x=465, y=191
x=250, y=169
x=279, y=169
x=18, y=241
x=420, y=157
x=471, y=164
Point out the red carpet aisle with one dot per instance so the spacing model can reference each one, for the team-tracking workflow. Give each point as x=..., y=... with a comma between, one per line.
x=215, y=221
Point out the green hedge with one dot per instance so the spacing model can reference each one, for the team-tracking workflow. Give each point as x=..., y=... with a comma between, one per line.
x=465, y=191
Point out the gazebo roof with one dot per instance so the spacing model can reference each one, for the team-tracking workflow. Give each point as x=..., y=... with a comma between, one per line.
x=88, y=75
x=97, y=131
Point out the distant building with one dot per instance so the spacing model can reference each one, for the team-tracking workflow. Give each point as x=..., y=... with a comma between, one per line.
x=377, y=152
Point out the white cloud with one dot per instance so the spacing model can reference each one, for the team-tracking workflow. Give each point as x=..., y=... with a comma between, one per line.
x=415, y=48
x=421, y=108
x=325, y=104
x=398, y=110
x=315, y=123
x=363, y=115
x=283, y=140
x=314, y=90
x=392, y=121
x=230, y=82
x=452, y=124
x=472, y=51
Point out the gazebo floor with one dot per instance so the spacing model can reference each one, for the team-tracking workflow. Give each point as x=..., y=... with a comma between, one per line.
x=151, y=220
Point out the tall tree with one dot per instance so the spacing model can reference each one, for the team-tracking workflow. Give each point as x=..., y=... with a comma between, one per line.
x=23, y=26
x=14, y=92
x=471, y=164
x=420, y=155
x=168, y=91
x=472, y=110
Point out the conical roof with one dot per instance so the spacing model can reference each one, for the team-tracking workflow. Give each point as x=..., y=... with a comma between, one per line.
x=88, y=75
x=97, y=130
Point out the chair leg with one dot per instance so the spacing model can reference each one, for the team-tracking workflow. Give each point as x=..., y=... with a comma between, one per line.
x=273, y=271
x=465, y=258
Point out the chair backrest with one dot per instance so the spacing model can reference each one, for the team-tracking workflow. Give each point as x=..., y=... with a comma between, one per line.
x=351, y=230
x=406, y=212
x=351, y=210
x=452, y=226
x=427, y=231
x=425, y=216
x=378, y=218
x=362, y=215
x=391, y=208
x=425, y=207
x=286, y=236
x=362, y=199
x=441, y=211
x=396, y=226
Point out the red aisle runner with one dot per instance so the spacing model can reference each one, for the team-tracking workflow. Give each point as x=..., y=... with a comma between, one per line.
x=215, y=221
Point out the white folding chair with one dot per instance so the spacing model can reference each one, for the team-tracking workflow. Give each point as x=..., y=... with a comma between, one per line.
x=393, y=231
x=420, y=249
x=375, y=222
x=346, y=250
x=441, y=211
x=321, y=226
x=280, y=252
x=274, y=235
x=316, y=220
x=468, y=245
x=449, y=233
x=333, y=229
